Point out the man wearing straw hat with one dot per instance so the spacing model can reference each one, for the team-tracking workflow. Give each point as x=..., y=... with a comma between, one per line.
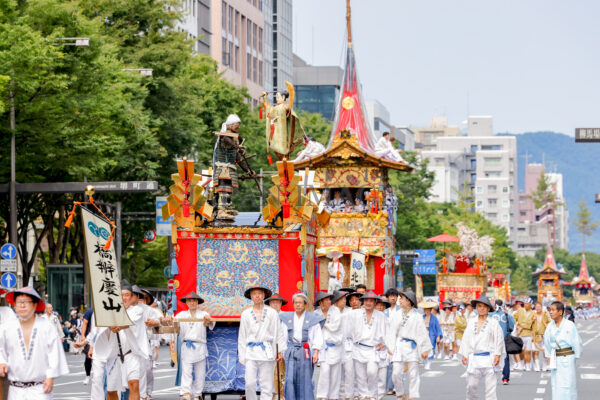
x=368, y=329
x=276, y=301
x=31, y=353
x=347, y=384
x=193, y=346
x=482, y=348
x=305, y=342
x=408, y=342
x=330, y=358
x=259, y=338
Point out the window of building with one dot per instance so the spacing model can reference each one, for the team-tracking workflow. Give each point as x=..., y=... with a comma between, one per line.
x=223, y=15
x=225, y=56
x=236, y=32
x=236, y=59
x=474, y=147
x=479, y=204
x=492, y=174
x=254, y=36
x=492, y=188
x=249, y=65
x=255, y=69
x=473, y=163
x=505, y=203
x=248, y=34
x=230, y=22
x=260, y=40
x=492, y=202
x=505, y=189
x=260, y=73
x=492, y=215
x=491, y=147
x=473, y=177
x=504, y=217
x=479, y=189
x=492, y=161
x=523, y=213
x=376, y=125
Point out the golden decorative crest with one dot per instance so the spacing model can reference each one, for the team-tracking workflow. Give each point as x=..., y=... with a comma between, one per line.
x=348, y=103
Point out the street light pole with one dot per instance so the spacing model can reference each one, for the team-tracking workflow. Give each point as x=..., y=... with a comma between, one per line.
x=12, y=225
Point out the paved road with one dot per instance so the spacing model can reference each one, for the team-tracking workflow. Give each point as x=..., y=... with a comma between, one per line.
x=445, y=381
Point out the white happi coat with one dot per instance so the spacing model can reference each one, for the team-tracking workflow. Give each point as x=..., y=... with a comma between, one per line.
x=366, y=336
x=193, y=333
x=312, y=149
x=45, y=357
x=6, y=314
x=407, y=336
x=266, y=331
x=333, y=336
x=448, y=326
x=334, y=268
x=489, y=340
x=348, y=342
x=135, y=338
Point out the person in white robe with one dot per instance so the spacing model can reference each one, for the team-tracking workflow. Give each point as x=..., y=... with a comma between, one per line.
x=50, y=316
x=562, y=348
x=276, y=301
x=337, y=203
x=330, y=358
x=134, y=344
x=482, y=348
x=408, y=342
x=384, y=357
x=31, y=353
x=193, y=346
x=312, y=149
x=368, y=331
x=104, y=352
x=347, y=383
x=336, y=270
x=260, y=343
x=447, y=322
x=385, y=149
x=153, y=317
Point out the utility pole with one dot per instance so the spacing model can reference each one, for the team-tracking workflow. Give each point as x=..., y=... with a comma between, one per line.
x=13, y=186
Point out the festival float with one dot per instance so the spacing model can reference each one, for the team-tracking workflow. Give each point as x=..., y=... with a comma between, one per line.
x=498, y=287
x=359, y=235
x=219, y=252
x=583, y=286
x=468, y=280
x=549, y=280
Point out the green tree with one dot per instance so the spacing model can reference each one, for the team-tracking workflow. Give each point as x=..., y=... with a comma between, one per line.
x=584, y=223
x=544, y=197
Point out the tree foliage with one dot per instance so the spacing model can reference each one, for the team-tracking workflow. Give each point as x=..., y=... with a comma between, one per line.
x=584, y=223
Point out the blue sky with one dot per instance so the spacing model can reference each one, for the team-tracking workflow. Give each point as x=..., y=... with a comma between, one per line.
x=532, y=64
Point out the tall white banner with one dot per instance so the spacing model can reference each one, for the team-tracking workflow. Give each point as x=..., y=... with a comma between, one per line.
x=358, y=269
x=104, y=273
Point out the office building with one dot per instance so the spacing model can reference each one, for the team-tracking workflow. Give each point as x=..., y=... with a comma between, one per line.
x=405, y=138
x=317, y=87
x=537, y=228
x=196, y=22
x=425, y=138
x=484, y=166
x=282, y=54
x=378, y=118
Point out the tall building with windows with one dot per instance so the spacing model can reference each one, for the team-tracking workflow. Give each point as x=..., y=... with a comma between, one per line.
x=238, y=43
x=484, y=166
x=283, y=56
x=317, y=87
x=537, y=228
x=196, y=22
x=378, y=118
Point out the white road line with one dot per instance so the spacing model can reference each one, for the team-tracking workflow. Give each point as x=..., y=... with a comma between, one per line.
x=546, y=374
x=541, y=390
x=589, y=340
x=590, y=376
x=432, y=374
x=543, y=382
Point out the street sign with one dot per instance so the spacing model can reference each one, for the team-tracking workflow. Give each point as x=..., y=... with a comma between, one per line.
x=425, y=256
x=583, y=135
x=425, y=269
x=8, y=265
x=163, y=228
x=8, y=280
x=171, y=284
x=8, y=251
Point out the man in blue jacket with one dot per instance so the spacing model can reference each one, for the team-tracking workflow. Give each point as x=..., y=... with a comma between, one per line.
x=507, y=323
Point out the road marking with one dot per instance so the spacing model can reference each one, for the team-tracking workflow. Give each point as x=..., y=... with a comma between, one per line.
x=590, y=376
x=589, y=340
x=432, y=374
x=545, y=374
x=516, y=374
x=541, y=390
x=543, y=382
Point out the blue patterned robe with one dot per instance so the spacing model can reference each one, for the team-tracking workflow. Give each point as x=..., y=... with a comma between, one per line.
x=435, y=331
x=298, y=369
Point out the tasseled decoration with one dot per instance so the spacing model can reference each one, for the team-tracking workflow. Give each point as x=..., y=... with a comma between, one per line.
x=286, y=209
x=270, y=159
x=260, y=112
x=110, y=238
